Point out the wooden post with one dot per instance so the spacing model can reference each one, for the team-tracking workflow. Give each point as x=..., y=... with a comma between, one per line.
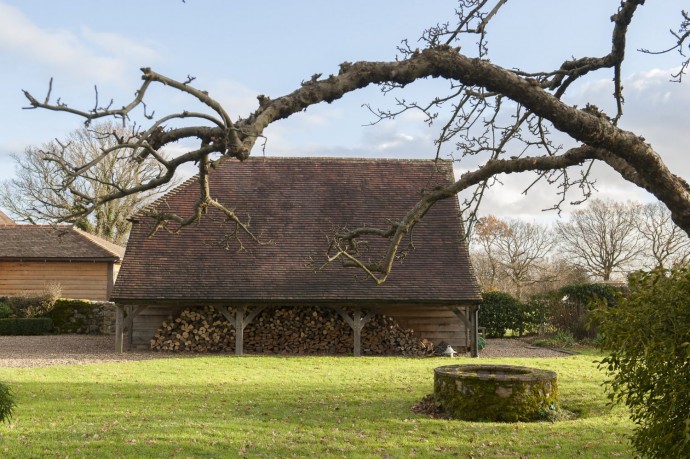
x=357, y=329
x=356, y=322
x=472, y=324
x=130, y=324
x=239, y=331
x=474, y=351
x=240, y=321
x=119, y=318
x=125, y=322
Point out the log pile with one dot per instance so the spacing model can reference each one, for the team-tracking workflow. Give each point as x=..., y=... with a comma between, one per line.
x=288, y=331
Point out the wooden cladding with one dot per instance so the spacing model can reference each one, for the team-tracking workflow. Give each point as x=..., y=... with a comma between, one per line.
x=82, y=280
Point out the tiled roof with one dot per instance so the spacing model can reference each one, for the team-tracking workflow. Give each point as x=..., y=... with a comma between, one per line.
x=297, y=203
x=54, y=242
x=5, y=220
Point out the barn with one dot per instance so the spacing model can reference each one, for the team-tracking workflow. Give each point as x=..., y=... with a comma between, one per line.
x=33, y=257
x=293, y=205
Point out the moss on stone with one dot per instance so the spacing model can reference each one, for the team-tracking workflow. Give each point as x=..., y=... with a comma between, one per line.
x=496, y=392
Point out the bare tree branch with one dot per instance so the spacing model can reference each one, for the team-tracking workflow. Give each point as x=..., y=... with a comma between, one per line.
x=502, y=117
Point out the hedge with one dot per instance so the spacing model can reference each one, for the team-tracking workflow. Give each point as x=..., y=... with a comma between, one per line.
x=499, y=312
x=22, y=326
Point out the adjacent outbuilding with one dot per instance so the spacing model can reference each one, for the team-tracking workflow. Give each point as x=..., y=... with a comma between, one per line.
x=33, y=257
x=294, y=205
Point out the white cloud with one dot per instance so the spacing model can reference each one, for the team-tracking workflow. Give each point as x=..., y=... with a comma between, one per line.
x=237, y=99
x=120, y=46
x=88, y=55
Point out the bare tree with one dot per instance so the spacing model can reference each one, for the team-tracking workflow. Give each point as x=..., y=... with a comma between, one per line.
x=485, y=257
x=501, y=117
x=523, y=251
x=602, y=238
x=515, y=251
x=37, y=193
x=558, y=272
x=663, y=242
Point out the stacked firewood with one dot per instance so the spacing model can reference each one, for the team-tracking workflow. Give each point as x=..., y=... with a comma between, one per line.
x=291, y=331
x=195, y=330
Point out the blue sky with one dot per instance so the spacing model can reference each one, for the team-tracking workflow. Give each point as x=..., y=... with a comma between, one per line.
x=238, y=50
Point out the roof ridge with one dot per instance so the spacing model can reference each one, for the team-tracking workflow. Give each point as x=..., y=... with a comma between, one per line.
x=193, y=179
x=170, y=193
x=108, y=246
x=43, y=225
x=345, y=159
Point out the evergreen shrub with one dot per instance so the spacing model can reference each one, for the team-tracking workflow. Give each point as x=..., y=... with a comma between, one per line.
x=647, y=336
x=26, y=327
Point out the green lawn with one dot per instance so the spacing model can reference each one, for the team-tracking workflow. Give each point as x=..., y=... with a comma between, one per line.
x=287, y=407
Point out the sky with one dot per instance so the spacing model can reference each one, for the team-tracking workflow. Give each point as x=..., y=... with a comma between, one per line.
x=238, y=50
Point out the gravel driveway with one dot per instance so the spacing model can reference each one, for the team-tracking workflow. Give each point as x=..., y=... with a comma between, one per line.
x=39, y=351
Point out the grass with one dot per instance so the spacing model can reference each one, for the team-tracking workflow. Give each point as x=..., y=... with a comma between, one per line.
x=287, y=407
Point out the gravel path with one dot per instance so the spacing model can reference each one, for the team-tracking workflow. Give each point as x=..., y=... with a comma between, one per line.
x=517, y=348
x=40, y=351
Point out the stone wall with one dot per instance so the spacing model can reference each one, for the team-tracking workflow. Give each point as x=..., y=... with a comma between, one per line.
x=83, y=317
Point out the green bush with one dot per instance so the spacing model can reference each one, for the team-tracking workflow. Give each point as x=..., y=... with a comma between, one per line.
x=568, y=308
x=648, y=337
x=499, y=312
x=24, y=326
x=5, y=311
x=7, y=402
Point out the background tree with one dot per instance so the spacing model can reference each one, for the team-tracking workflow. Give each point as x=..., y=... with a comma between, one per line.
x=485, y=258
x=511, y=253
x=559, y=272
x=602, y=238
x=523, y=252
x=45, y=191
x=664, y=244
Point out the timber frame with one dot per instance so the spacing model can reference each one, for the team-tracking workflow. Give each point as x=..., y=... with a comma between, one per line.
x=245, y=314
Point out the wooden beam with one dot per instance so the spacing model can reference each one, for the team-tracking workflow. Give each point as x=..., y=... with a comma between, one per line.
x=346, y=317
x=226, y=313
x=460, y=315
x=252, y=315
x=132, y=312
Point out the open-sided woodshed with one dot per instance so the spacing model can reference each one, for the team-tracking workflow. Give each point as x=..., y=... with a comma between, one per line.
x=294, y=206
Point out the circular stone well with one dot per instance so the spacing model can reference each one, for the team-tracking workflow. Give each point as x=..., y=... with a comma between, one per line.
x=495, y=392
